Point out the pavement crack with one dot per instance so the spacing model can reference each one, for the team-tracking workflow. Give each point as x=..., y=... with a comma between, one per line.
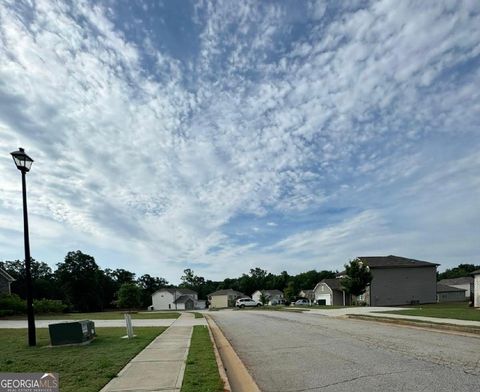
x=343, y=381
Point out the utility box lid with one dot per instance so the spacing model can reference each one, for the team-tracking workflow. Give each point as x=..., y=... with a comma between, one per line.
x=75, y=332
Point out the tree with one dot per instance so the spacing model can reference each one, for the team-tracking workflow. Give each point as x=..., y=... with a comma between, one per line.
x=263, y=298
x=44, y=285
x=122, y=276
x=358, y=277
x=289, y=291
x=458, y=272
x=81, y=279
x=129, y=296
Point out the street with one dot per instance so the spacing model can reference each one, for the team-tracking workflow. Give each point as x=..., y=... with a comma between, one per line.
x=297, y=352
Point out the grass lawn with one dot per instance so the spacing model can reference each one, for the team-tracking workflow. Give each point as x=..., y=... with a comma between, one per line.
x=81, y=368
x=113, y=315
x=201, y=372
x=197, y=315
x=453, y=310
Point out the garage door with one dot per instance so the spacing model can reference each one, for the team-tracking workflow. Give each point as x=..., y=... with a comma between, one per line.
x=324, y=297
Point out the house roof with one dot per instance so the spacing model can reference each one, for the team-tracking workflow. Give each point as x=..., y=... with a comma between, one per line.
x=334, y=284
x=270, y=293
x=6, y=275
x=443, y=288
x=226, y=292
x=182, y=299
x=476, y=272
x=392, y=261
x=461, y=280
x=172, y=290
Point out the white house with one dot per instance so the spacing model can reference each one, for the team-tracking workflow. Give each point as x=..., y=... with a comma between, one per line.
x=331, y=292
x=464, y=283
x=476, y=288
x=274, y=297
x=173, y=298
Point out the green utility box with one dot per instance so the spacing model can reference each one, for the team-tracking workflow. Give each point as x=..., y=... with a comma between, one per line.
x=77, y=332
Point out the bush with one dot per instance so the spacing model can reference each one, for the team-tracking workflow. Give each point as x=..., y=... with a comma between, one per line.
x=49, y=306
x=129, y=296
x=12, y=304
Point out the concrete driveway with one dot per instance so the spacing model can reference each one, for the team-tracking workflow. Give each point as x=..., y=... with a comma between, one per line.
x=297, y=352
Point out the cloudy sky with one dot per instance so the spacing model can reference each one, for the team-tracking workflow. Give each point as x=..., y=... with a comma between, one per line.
x=222, y=136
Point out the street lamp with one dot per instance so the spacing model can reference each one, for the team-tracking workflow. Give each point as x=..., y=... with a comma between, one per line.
x=24, y=163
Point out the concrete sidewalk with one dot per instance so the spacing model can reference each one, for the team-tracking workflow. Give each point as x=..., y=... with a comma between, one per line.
x=434, y=320
x=184, y=321
x=377, y=311
x=161, y=365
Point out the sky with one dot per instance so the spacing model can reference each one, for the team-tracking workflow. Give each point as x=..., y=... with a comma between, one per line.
x=226, y=135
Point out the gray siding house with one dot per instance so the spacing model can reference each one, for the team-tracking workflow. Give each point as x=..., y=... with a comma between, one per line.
x=400, y=281
x=465, y=283
x=449, y=293
x=5, y=281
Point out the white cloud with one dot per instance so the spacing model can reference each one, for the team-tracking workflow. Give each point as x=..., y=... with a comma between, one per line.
x=151, y=161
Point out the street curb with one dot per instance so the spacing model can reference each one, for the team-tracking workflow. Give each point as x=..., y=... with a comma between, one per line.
x=221, y=367
x=472, y=331
x=238, y=377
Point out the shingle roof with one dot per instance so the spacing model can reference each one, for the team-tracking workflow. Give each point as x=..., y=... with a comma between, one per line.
x=334, y=284
x=461, y=280
x=307, y=291
x=226, y=292
x=6, y=275
x=392, y=261
x=182, y=299
x=271, y=293
x=443, y=288
x=172, y=290
x=477, y=272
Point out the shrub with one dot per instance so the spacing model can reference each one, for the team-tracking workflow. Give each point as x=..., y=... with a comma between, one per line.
x=49, y=306
x=12, y=304
x=6, y=312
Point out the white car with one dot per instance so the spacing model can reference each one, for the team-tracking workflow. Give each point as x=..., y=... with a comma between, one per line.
x=247, y=302
x=301, y=302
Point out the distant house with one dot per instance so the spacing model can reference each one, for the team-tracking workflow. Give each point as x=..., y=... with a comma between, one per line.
x=172, y=298
x=399, y=281
x=449, y=293
x=274, y=297
x=465, y=283
x=331, y=292
x=5, y=281
x=308, y=294
x=476, y=288
x=224, y=298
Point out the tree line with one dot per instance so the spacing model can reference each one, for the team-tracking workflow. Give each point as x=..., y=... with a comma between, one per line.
x=82, y=285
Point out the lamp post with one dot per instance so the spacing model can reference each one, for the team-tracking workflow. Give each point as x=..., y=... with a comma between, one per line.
x=24, y=163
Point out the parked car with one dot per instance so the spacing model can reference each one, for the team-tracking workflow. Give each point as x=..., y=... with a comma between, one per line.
x=244, y=302
x=301, y=302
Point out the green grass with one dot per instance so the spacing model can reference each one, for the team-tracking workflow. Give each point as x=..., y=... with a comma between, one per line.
x=81, y=368
x=201, y=372
x=453, y=310
x=113, y=315
x=197, y=315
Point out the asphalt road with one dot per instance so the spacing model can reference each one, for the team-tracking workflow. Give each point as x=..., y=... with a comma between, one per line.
x=301, y=352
